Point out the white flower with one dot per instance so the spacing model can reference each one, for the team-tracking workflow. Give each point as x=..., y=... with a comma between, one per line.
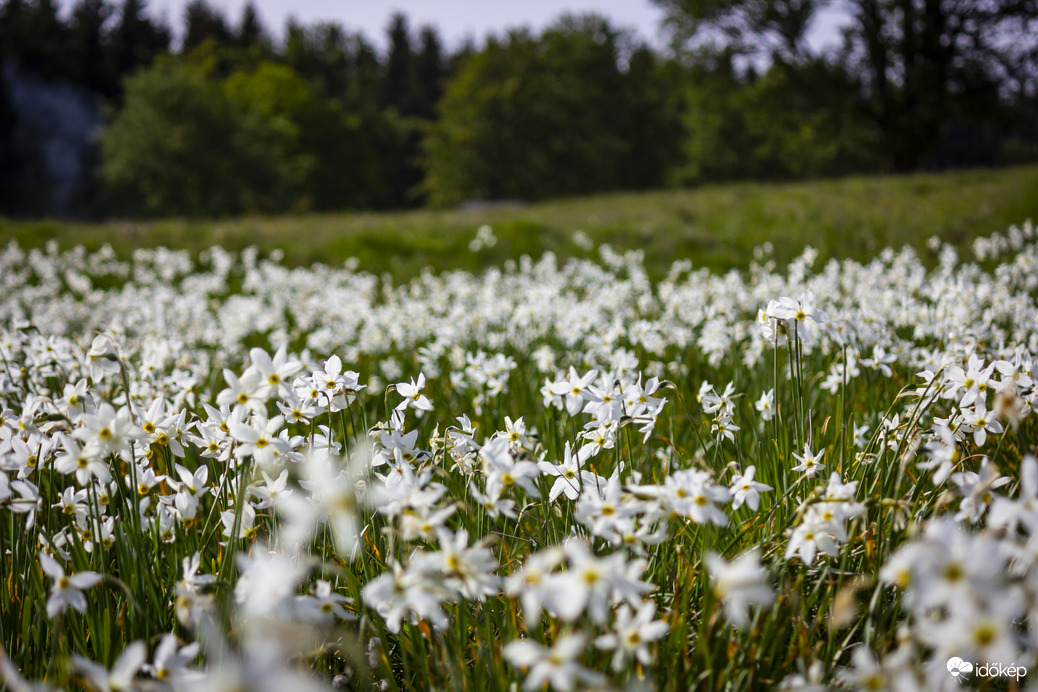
x=121, y=676
x=601, y=509
x=556, y=666
x=108, y=431
x=632, y=634
x=1010, y=514
x=412, y=393
x=694, y=494
x=67, y=590
x=28, y=501
x=982, y=422
x=766, y=404
x=324, y=604
x=504, y=472
x=171, y=660
x=532, y=583
x=268, y=581
x=259, y=439
x=467, y=570
x=800, y=313
x=809, y=537
x=245, y=520
x=274, y=372
x=400, y=594
x=574, y=391
x=810, y=463
x=594, y=584
x=103, y=357
x=246, y=393
x=977, y=490
x=567, y=475
x=83, y=462
x=868, y=673
x=740, y=584
x=745, y=489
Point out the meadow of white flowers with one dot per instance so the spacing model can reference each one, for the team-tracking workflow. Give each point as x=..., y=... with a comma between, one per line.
x=229, y=474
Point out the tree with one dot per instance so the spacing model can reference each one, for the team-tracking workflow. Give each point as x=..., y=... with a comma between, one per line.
x=260, y=141
x=92, y=61
x=203, y=23
x=250, y=31
x=923, y=65
x=785, y=124
x=534, y=117
x=323, y=54
x=774, y=28
x=430, y=71
x=399, y=85
x=137, y=39
x=926, y=64
x=179, y=146
x=12, y=167
x=32, y=34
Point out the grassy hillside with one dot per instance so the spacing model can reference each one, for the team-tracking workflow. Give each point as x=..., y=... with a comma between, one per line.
x=716, y=226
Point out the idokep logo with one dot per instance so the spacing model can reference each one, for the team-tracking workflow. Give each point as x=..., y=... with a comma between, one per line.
x=960, y=670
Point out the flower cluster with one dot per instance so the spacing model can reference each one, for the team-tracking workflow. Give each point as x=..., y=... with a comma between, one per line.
x=229, y=473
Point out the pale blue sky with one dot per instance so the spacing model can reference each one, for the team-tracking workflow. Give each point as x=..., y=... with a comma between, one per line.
x=455, y=19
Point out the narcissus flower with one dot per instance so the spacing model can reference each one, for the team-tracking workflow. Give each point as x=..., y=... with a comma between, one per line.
x=67, y=590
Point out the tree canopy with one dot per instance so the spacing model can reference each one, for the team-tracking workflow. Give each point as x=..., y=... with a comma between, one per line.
x=106, y=110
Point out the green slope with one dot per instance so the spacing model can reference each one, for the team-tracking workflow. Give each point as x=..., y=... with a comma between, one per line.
x=715, y=226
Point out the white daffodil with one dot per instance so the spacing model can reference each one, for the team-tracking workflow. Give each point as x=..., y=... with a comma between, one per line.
x=412, y=394
x=556, y=666
x=67, y=590
x=810, y=463
x=632, y=633
x=121, y=676
x=746, y=490
x=739, y=584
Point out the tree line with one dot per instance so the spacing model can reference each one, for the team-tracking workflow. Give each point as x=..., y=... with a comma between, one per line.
x=102, y=115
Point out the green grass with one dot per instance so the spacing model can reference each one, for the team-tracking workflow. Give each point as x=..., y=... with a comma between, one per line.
x=821, y=610
x=716, y=226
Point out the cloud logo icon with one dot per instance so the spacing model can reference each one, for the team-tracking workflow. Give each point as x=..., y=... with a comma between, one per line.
x=959, y=668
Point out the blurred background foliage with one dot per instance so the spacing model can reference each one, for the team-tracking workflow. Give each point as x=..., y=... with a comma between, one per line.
x=103, y=115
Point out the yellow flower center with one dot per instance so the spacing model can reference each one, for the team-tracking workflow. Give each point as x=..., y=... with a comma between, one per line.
x=984, y=635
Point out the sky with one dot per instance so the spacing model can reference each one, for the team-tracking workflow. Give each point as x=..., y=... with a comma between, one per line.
x=455, y=19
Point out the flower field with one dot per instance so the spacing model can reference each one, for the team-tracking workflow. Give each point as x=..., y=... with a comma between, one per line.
x=225, y=473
